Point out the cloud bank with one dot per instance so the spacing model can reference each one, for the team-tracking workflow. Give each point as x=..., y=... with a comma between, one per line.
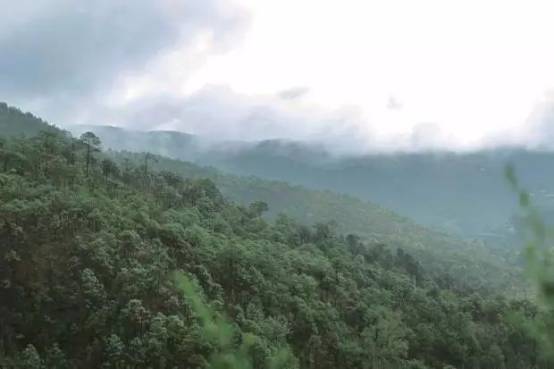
x=133, y=64
x=66, y=58
x=217, y=113
x=124, y=63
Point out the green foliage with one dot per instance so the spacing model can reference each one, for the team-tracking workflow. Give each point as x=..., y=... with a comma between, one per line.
x=223, y=336
x=539, y=253
x=13, y=122
x=92, y=270
x=437, y=188
x=471, y=263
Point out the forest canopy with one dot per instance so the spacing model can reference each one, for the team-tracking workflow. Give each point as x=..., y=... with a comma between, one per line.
x=90, y=248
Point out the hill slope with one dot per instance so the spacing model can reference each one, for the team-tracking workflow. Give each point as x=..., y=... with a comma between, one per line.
x=13, y=122
x=461, y=193
x=471, y=262
x=89, y=250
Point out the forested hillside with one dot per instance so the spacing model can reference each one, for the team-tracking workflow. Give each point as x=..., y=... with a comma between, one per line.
x=471, y=262
x=90, y=243
x=13, y=122
x=436, y=189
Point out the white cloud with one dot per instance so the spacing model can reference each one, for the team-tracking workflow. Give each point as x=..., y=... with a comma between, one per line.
x=473, y=68
x=461, y=74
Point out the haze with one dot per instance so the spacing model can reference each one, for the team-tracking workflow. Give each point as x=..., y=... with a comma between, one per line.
x=354, y=75
x=284, y=184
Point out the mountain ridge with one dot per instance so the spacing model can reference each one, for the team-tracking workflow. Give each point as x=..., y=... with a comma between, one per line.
x=436, y=189
x=442, y=252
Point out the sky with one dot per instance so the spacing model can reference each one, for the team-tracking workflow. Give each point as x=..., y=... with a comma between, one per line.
x=355, y=75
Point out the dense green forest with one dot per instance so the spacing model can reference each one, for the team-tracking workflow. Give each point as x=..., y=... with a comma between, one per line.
x=471, y=262
x=437, y=189
x=91, y=243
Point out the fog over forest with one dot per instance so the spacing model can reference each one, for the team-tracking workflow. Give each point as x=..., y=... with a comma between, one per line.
x=276, y=184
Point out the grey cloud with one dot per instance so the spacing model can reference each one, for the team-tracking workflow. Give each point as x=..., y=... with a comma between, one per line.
x=218, y=114
x=63, y=47
x=61, y=59
x=294, y=93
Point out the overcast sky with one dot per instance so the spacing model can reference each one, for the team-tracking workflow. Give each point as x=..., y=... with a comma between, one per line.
x=356, y=74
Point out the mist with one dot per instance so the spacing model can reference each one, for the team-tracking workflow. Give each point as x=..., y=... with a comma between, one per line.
x=276, y=184
x=168, y=65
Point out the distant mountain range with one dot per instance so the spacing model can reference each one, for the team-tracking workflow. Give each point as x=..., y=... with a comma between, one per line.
x=462, y=193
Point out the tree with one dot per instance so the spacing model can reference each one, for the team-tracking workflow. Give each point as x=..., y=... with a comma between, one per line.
x=257, y=208
x=109, y=168
x=92, y=144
